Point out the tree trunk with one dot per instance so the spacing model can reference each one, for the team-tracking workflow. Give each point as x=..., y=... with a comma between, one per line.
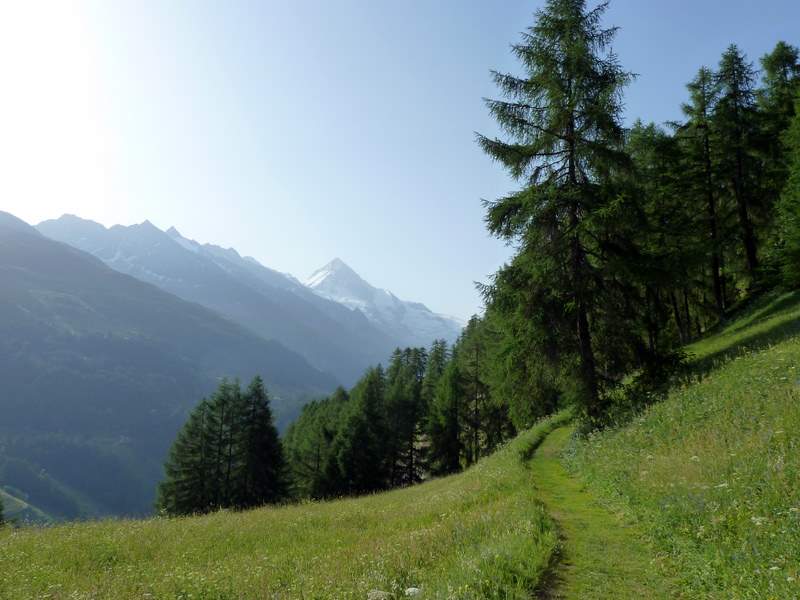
x=677, y=315
x=716, y=266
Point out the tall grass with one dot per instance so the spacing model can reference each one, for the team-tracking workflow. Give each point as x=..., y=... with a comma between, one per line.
x=479, y=534
x=713, y=472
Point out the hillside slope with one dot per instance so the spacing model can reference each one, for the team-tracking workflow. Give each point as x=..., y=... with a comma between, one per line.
x=713, y=472
x=479, y=534
x=98, y=371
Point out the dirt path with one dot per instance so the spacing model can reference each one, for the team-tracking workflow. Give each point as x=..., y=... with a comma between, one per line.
x=601, y=556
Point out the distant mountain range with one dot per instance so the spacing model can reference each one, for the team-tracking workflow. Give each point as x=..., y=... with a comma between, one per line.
x=337, y=321
x=99, y=370
x=109, y=336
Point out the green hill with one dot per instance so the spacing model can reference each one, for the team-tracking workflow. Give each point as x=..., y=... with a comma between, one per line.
x=713, y=472
x=697, y=497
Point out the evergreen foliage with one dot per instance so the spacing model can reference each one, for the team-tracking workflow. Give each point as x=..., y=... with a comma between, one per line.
x=227, y=455
x=736, y=123
x=445, y=425
x=563, y=118
x=789, y=206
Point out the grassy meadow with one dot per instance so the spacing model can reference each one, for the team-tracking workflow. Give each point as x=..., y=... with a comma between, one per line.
x=479, y=534
x=713, y=473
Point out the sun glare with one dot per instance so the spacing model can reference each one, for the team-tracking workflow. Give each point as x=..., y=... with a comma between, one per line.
x=53, y=143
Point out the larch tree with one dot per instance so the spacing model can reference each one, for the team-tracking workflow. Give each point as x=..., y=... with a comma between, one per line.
x=563, y=118
x=260, y=470
x=227, y=455
x=445, y=422
x=736, y=122
x=696, y=138
x=789, y=206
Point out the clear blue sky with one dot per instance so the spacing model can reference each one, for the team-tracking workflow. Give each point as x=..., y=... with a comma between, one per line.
x=299, y=131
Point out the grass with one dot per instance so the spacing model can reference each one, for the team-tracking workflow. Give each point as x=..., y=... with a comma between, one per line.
x=601, y=555
x=479, y=534
x=712, y=474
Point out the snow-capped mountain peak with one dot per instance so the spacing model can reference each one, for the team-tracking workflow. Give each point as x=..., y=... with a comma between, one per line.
x=411, y=322
x=338, y=281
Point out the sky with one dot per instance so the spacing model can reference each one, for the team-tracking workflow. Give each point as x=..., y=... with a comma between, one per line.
x=299, y=131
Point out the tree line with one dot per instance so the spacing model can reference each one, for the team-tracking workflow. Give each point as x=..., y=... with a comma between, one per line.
x=629, y=243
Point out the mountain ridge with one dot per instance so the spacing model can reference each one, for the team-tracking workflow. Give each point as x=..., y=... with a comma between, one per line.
x=411, y=322
x=99, y=370
x=342, y=334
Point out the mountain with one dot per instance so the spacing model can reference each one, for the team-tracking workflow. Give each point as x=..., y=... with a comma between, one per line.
x=271, y=304
x=99, y=370
x=412, y=323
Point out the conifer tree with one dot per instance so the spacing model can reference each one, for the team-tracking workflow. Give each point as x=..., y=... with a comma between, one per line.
x=187, y=488
x=438, y=357
x=260, y=471
x=2, y=517
x=736, y=121
x=781, y=84
x=445, y=423
x=227, y=455
x=361, y=445
x=564, y=121
x=309, y=446
x=696, y=136
x=789, y=206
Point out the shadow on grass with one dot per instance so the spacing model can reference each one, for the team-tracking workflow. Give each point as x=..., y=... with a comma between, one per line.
x=755, y=341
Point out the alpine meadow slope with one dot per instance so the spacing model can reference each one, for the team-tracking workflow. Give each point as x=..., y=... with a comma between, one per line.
x=711, y=473
x=478, y=534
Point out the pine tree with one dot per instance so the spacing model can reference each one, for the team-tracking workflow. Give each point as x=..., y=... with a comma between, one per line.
x=445, y=424
x=696, y=136
x=564, y=118
x=789, y=206
x=260, y=472
x=736, y=121
x=186, y=488
x=2, y=517
x=227, y=455
x=361, y=446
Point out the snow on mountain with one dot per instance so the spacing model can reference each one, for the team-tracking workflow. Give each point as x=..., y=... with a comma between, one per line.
x=411, y=322
x=271, y=304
